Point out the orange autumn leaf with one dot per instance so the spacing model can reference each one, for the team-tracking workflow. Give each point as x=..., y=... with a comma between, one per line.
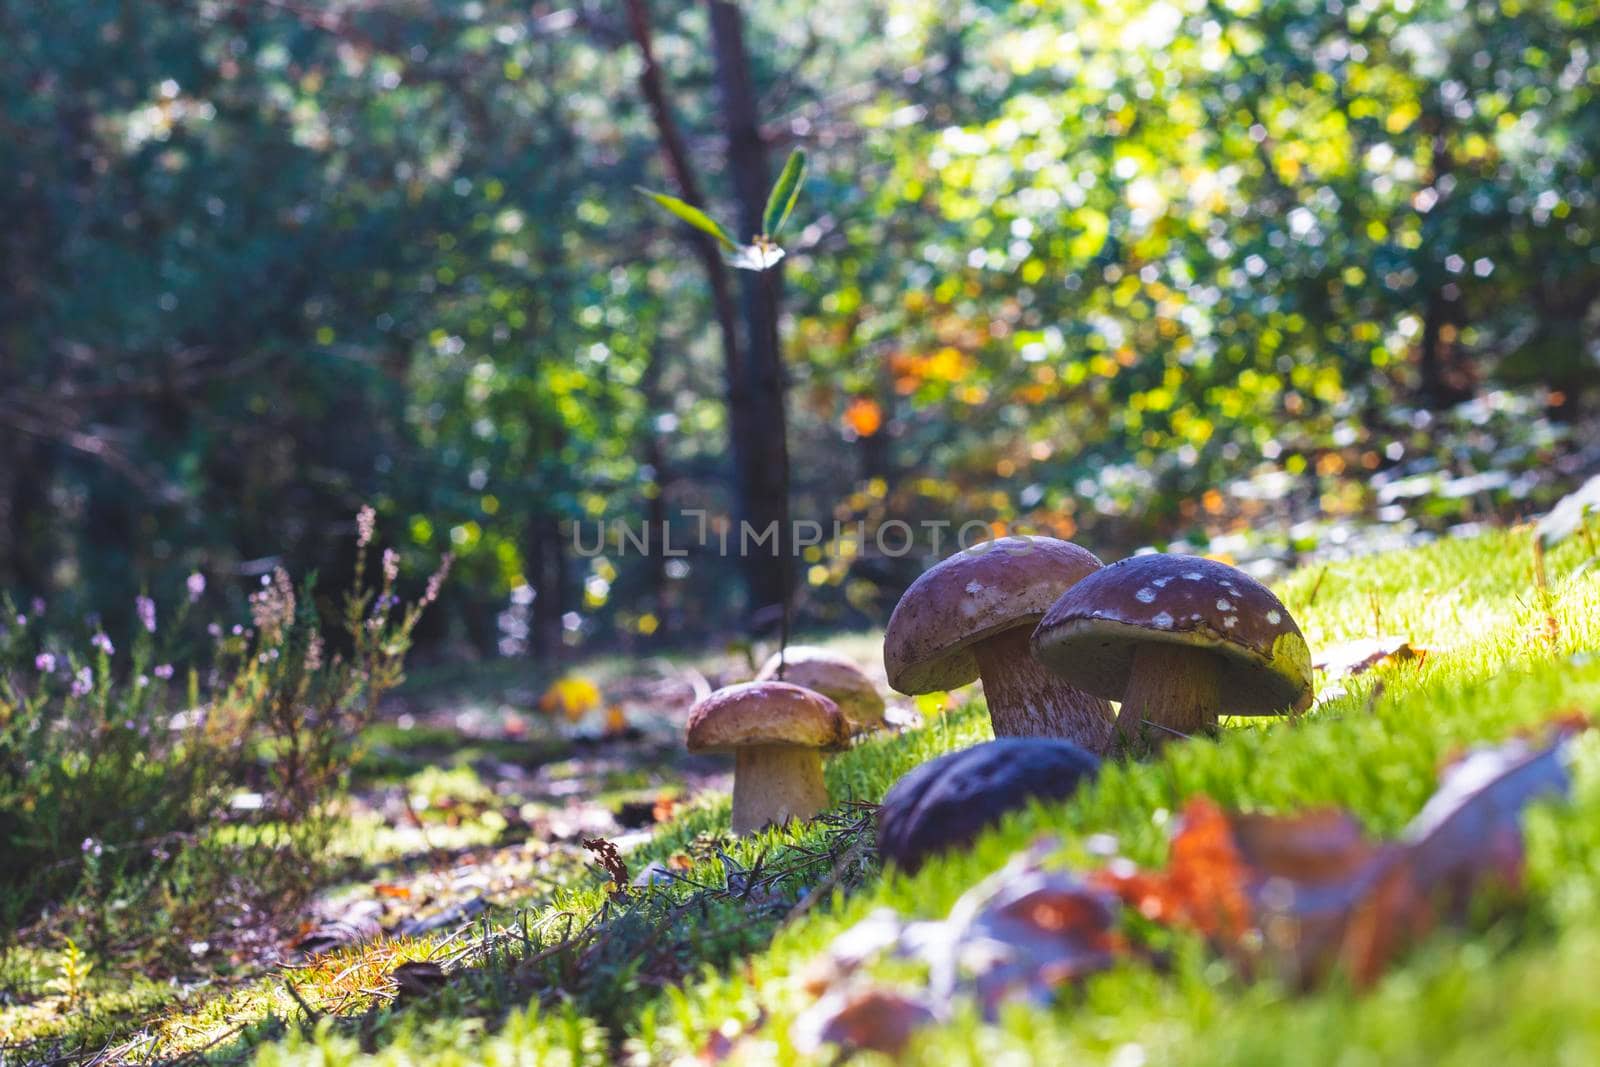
x=863, y=416
x=616, y=721
x=1311, y=892
x=1204, y=886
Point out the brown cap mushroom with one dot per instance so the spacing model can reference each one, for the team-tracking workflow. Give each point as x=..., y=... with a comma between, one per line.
x=835, y=676
x=777, y=733
x=1178, y=639
x=969, y=617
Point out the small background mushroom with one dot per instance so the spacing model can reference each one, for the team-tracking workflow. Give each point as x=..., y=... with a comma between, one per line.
x=970, y=617
x=835, y=676
x=777, y=733
x=1179, y=640
x=945, y=803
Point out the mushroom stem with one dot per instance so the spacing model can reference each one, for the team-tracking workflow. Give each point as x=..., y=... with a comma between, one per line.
x=776, y=783
x=1171, y=686
x=1025, y=700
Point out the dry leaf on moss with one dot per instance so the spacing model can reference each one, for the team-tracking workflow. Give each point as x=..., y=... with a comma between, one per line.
x=1364, y=654
x=1306, y=893
x=865, y=1019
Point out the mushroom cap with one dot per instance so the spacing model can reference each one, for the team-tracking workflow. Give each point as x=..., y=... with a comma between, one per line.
x=1089, y=636
x=765, y=713
x=974, y=594
x=945, y=803
x=835, y=676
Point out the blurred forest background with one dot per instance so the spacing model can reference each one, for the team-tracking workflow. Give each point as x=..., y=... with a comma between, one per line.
x=1268, y=276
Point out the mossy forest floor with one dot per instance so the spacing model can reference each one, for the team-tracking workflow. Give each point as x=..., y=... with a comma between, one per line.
x=464, y=857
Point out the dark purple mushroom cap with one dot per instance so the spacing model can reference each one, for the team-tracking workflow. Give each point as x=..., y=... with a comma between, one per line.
x=974, y=594
x=1090, y=635
x=945, y=803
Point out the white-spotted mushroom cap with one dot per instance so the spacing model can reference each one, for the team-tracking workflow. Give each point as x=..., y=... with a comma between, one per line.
x=1090, y=635
x=761, y=714
x=972, y=595
x=835, y=676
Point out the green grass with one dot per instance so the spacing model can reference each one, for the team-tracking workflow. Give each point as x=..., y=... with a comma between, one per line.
x=1512, y=990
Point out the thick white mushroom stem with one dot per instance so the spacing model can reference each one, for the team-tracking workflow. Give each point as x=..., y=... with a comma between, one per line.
x=1170, y=686
x=1025, y=700
x=776, y=783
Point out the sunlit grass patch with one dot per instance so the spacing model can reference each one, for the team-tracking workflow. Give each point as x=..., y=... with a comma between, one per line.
x=659, y=973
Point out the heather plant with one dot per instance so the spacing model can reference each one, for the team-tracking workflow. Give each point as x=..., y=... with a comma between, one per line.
x=195, y=762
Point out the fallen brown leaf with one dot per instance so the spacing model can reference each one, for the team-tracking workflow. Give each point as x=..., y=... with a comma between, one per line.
x=1364, y=654
x=1024, y=931
x=727, y=1038
x=1310, y=892
x=358, y=922
x=1205, y=884
x=868, y=1019
x=610, y=862
x=454, y=915
x=1033, y=933
x=417, y=978
x=1470, y=830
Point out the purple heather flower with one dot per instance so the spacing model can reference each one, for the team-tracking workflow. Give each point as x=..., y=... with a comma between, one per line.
x=391, y=565
x=436, y=582
x=366, y=520
x=37, y=605
x=196, y=584
x=91, y=847
x=83, y=682
x=162, y=671
x=22, y=620
x=103, y=643
x=147, y=613
x=215, y=630
x=44, y=663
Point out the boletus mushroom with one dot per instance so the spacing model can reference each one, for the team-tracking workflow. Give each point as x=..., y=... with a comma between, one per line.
x=945, y=803
x=777, y=733
x=1179, y=640
x=835, y=676
x=970, y=616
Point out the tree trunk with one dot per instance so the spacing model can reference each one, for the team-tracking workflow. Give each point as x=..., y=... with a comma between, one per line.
x=23, y=499
x=1440, y=380
x=749, y=436
x=547, y=566
x=1435, y=360
x=763, y=457
x=655, y=455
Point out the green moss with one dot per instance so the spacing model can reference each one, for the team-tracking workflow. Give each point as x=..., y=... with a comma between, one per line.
x=1512, y=989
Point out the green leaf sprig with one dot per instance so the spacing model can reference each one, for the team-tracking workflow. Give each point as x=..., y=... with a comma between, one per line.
x=763, y=252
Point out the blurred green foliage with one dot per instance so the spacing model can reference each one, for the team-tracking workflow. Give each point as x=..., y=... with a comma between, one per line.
x=1105, y=268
